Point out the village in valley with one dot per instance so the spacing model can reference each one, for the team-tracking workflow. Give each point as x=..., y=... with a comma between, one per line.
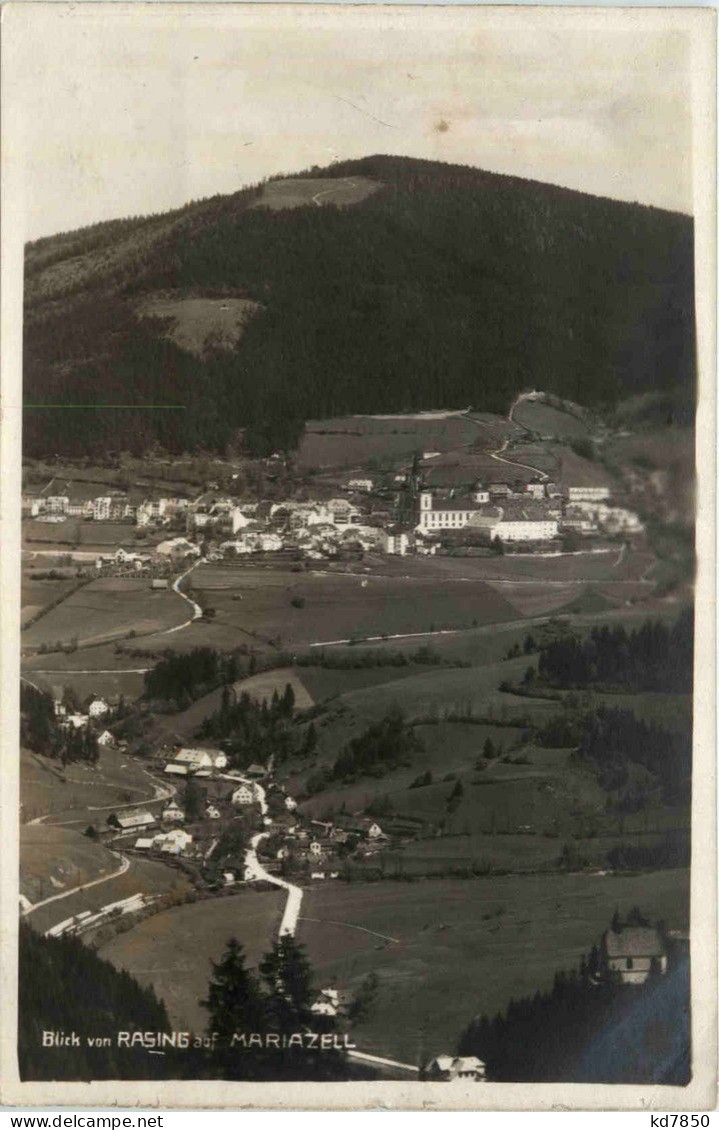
x=297, y=700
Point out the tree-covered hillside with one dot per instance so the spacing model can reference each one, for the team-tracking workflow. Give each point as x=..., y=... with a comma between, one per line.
x=446, y=287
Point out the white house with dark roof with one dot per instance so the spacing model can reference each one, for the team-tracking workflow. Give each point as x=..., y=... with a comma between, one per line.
x=131, y=821
x=244, y=794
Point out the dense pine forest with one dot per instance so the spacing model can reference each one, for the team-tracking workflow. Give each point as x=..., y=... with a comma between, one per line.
x=65, y=987
x=654, y=657
x=447, y=286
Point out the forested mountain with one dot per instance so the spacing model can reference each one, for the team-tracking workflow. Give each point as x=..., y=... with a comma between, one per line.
x=444, y=287
x=64, y=987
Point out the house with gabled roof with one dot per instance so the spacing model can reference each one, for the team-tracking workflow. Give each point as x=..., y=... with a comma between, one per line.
x=456, y=1069
x=634, y=951
x=244, y=794
x=131, y=821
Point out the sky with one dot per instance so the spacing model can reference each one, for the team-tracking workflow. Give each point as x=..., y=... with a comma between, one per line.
x=132, y=111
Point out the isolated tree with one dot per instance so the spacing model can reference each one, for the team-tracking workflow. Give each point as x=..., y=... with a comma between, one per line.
x=286, y=972
x=310, y=742
x=234, y=1001
x=288, y=700
x=193, y=801
x=488, y=750
x=364, y=998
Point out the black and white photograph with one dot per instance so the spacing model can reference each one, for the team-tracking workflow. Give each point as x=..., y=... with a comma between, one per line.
x=363, y=488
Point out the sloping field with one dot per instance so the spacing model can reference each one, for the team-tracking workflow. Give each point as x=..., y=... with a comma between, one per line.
x=349, y=441
x=141, y=877
x=547, y=420
x=197, y=322
x=448, y=748
x=86, y=681
x=580, y=472
x=37, y=594
x=57, y=859
x=108, y=608
x=79, y=534
x=298, y=192
x=465, y=947
x=79, y=792
x=172, y=951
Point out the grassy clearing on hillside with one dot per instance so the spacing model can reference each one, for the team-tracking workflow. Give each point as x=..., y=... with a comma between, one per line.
x=299, y=192
x=105, y=609
x=57, y=859
x=349, y=441
x=87, y=682
x=194, y=320
x=448, y=748
x=580, y=472
x=172, y=951
x=470, y=945
x=538, y=416
x=79, y=792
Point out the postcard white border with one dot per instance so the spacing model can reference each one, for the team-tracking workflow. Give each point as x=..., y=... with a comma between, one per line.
x=700, y=1094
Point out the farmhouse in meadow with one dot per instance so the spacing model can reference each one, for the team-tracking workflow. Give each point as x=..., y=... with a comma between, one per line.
x=634, y=951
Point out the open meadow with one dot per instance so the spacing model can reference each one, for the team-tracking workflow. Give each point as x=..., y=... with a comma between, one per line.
x=546, y=420
x=296, y=609
x=471, y=945
x=172, y=951
x=37, y=592
x=351, y=441
x=303, y=192
x=106, y=609
x=80, y=534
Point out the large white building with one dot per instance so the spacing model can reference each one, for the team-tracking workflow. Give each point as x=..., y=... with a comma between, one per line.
x=526, y=529
x=525, y=521
x=101, y=508
x=447, y=514
x=56, y=503
x=589, y=494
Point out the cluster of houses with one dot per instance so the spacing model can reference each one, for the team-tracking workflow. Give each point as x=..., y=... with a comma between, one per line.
x=295, y=844
x=395, y=516
x=94, y=710
x=112, y=507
